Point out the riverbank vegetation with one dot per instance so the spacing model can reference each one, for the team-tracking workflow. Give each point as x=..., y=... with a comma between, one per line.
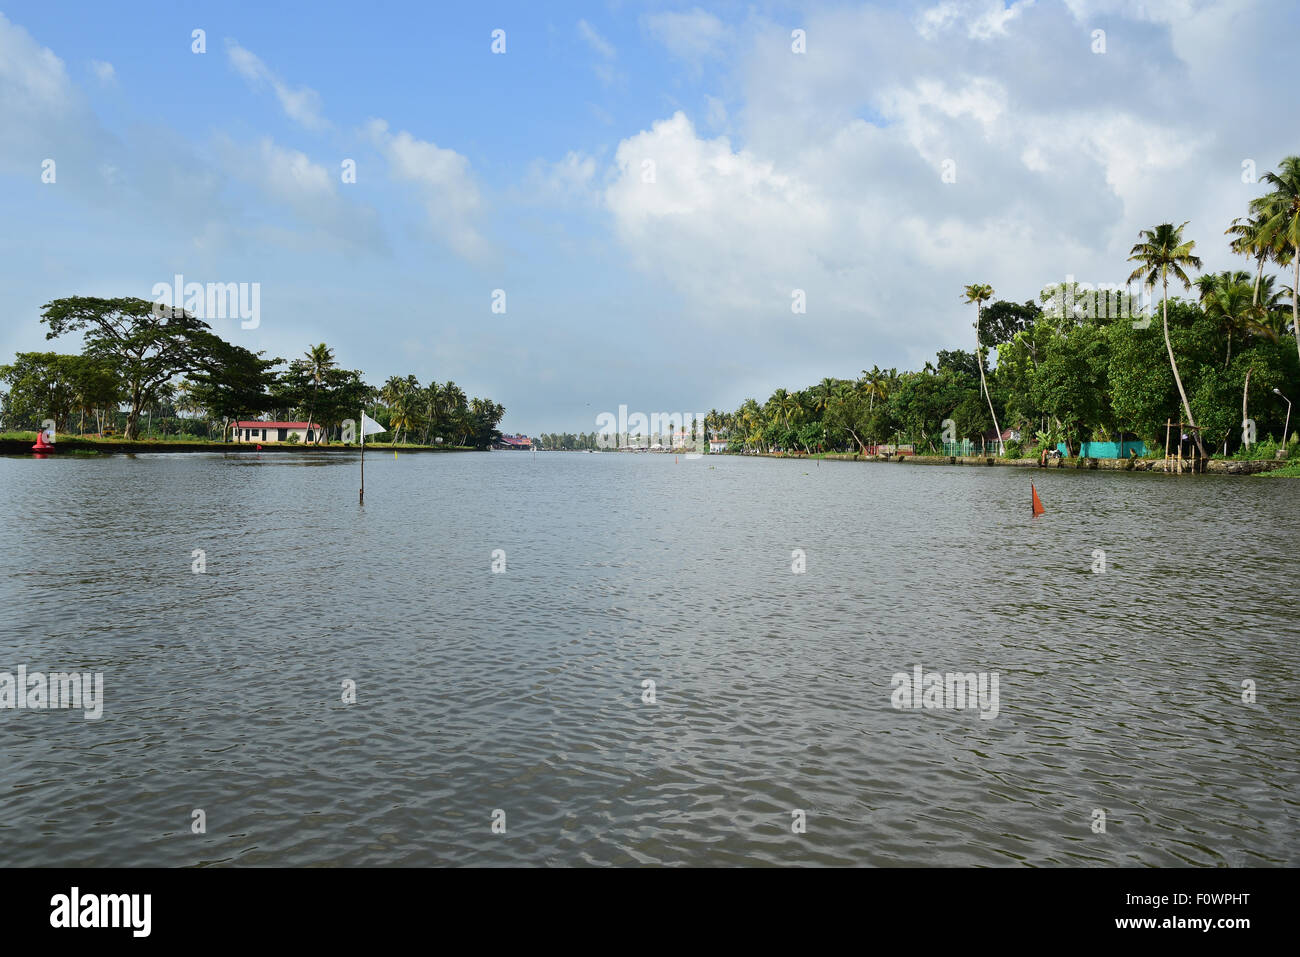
x=168, y=376
x=1220, y=352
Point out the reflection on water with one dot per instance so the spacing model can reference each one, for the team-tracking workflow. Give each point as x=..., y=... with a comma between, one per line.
x=523, y=691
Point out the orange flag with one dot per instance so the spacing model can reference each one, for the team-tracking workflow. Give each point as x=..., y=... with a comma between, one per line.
x=1038, y=505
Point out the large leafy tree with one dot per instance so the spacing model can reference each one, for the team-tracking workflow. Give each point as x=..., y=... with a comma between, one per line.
x=49, y=385
x=1071, y=383
x=1003, y=320
x=148, y=348
x=234, y=384
x=344, y=393
x=484, y=414
x=1159, y=252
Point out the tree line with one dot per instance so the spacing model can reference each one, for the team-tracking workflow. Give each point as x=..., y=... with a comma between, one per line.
x=136, y=362
x=1078, y=364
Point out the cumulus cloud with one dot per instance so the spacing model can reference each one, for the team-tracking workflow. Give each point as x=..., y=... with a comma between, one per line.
x=727, y=226
x=301, y=104
x=833, y=176
x=444, y=181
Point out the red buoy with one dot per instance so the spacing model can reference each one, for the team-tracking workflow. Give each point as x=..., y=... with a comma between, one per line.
x=1038, y=505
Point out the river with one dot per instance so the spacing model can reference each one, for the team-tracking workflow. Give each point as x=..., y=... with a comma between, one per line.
x=504, y=717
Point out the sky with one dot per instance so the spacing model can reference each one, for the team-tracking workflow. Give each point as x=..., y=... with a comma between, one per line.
x=623, y=203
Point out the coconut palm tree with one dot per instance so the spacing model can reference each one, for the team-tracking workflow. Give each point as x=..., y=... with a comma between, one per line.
x=1228, y=298
x=1251, y=240
x=712, y=423
x=1161, y=251
x=980, y=293
x=821, y=395
x=750, y=418
x=319, y=360
x=1280, y=226
x=872, y=382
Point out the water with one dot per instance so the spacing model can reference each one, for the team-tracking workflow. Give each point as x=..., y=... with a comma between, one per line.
x=522, y=691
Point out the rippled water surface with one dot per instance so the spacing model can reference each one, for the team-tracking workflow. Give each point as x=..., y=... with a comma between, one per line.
x=522, y=691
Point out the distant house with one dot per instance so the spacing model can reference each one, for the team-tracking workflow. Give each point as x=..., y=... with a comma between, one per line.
x=717, y=445
x=513, y=442
x=306, y=432
x=1008, y=435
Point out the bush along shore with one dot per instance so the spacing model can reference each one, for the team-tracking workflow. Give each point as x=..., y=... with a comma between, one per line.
x=1278, y=467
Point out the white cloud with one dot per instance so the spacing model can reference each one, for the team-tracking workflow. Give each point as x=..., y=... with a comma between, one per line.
x=309, y=191
x=301, y=104
x=103, y=71
x=724, y=225
x=983, y=19
x=571, y=177
x=443, y=178
x=594, y=40
x=33, y=80
x=691, y=35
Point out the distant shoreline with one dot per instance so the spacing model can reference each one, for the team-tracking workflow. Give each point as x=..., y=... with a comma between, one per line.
x=71, y=445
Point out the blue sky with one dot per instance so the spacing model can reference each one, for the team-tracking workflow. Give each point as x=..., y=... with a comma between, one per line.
x=525, y=171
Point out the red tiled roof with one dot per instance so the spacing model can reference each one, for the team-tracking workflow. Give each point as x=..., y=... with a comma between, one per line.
x=276, y=425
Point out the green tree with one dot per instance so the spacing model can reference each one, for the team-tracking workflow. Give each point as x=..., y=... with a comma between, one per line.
x=235, y=384
x=149, y=347
x=45, y=385
x=980, y=293
x=1159, y=252
x=318, y=360
x=1280, y=226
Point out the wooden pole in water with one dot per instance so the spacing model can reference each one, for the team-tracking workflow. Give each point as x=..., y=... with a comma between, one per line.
x=362, y=500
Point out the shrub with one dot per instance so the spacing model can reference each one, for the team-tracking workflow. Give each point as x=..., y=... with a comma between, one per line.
x=1014, y=451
